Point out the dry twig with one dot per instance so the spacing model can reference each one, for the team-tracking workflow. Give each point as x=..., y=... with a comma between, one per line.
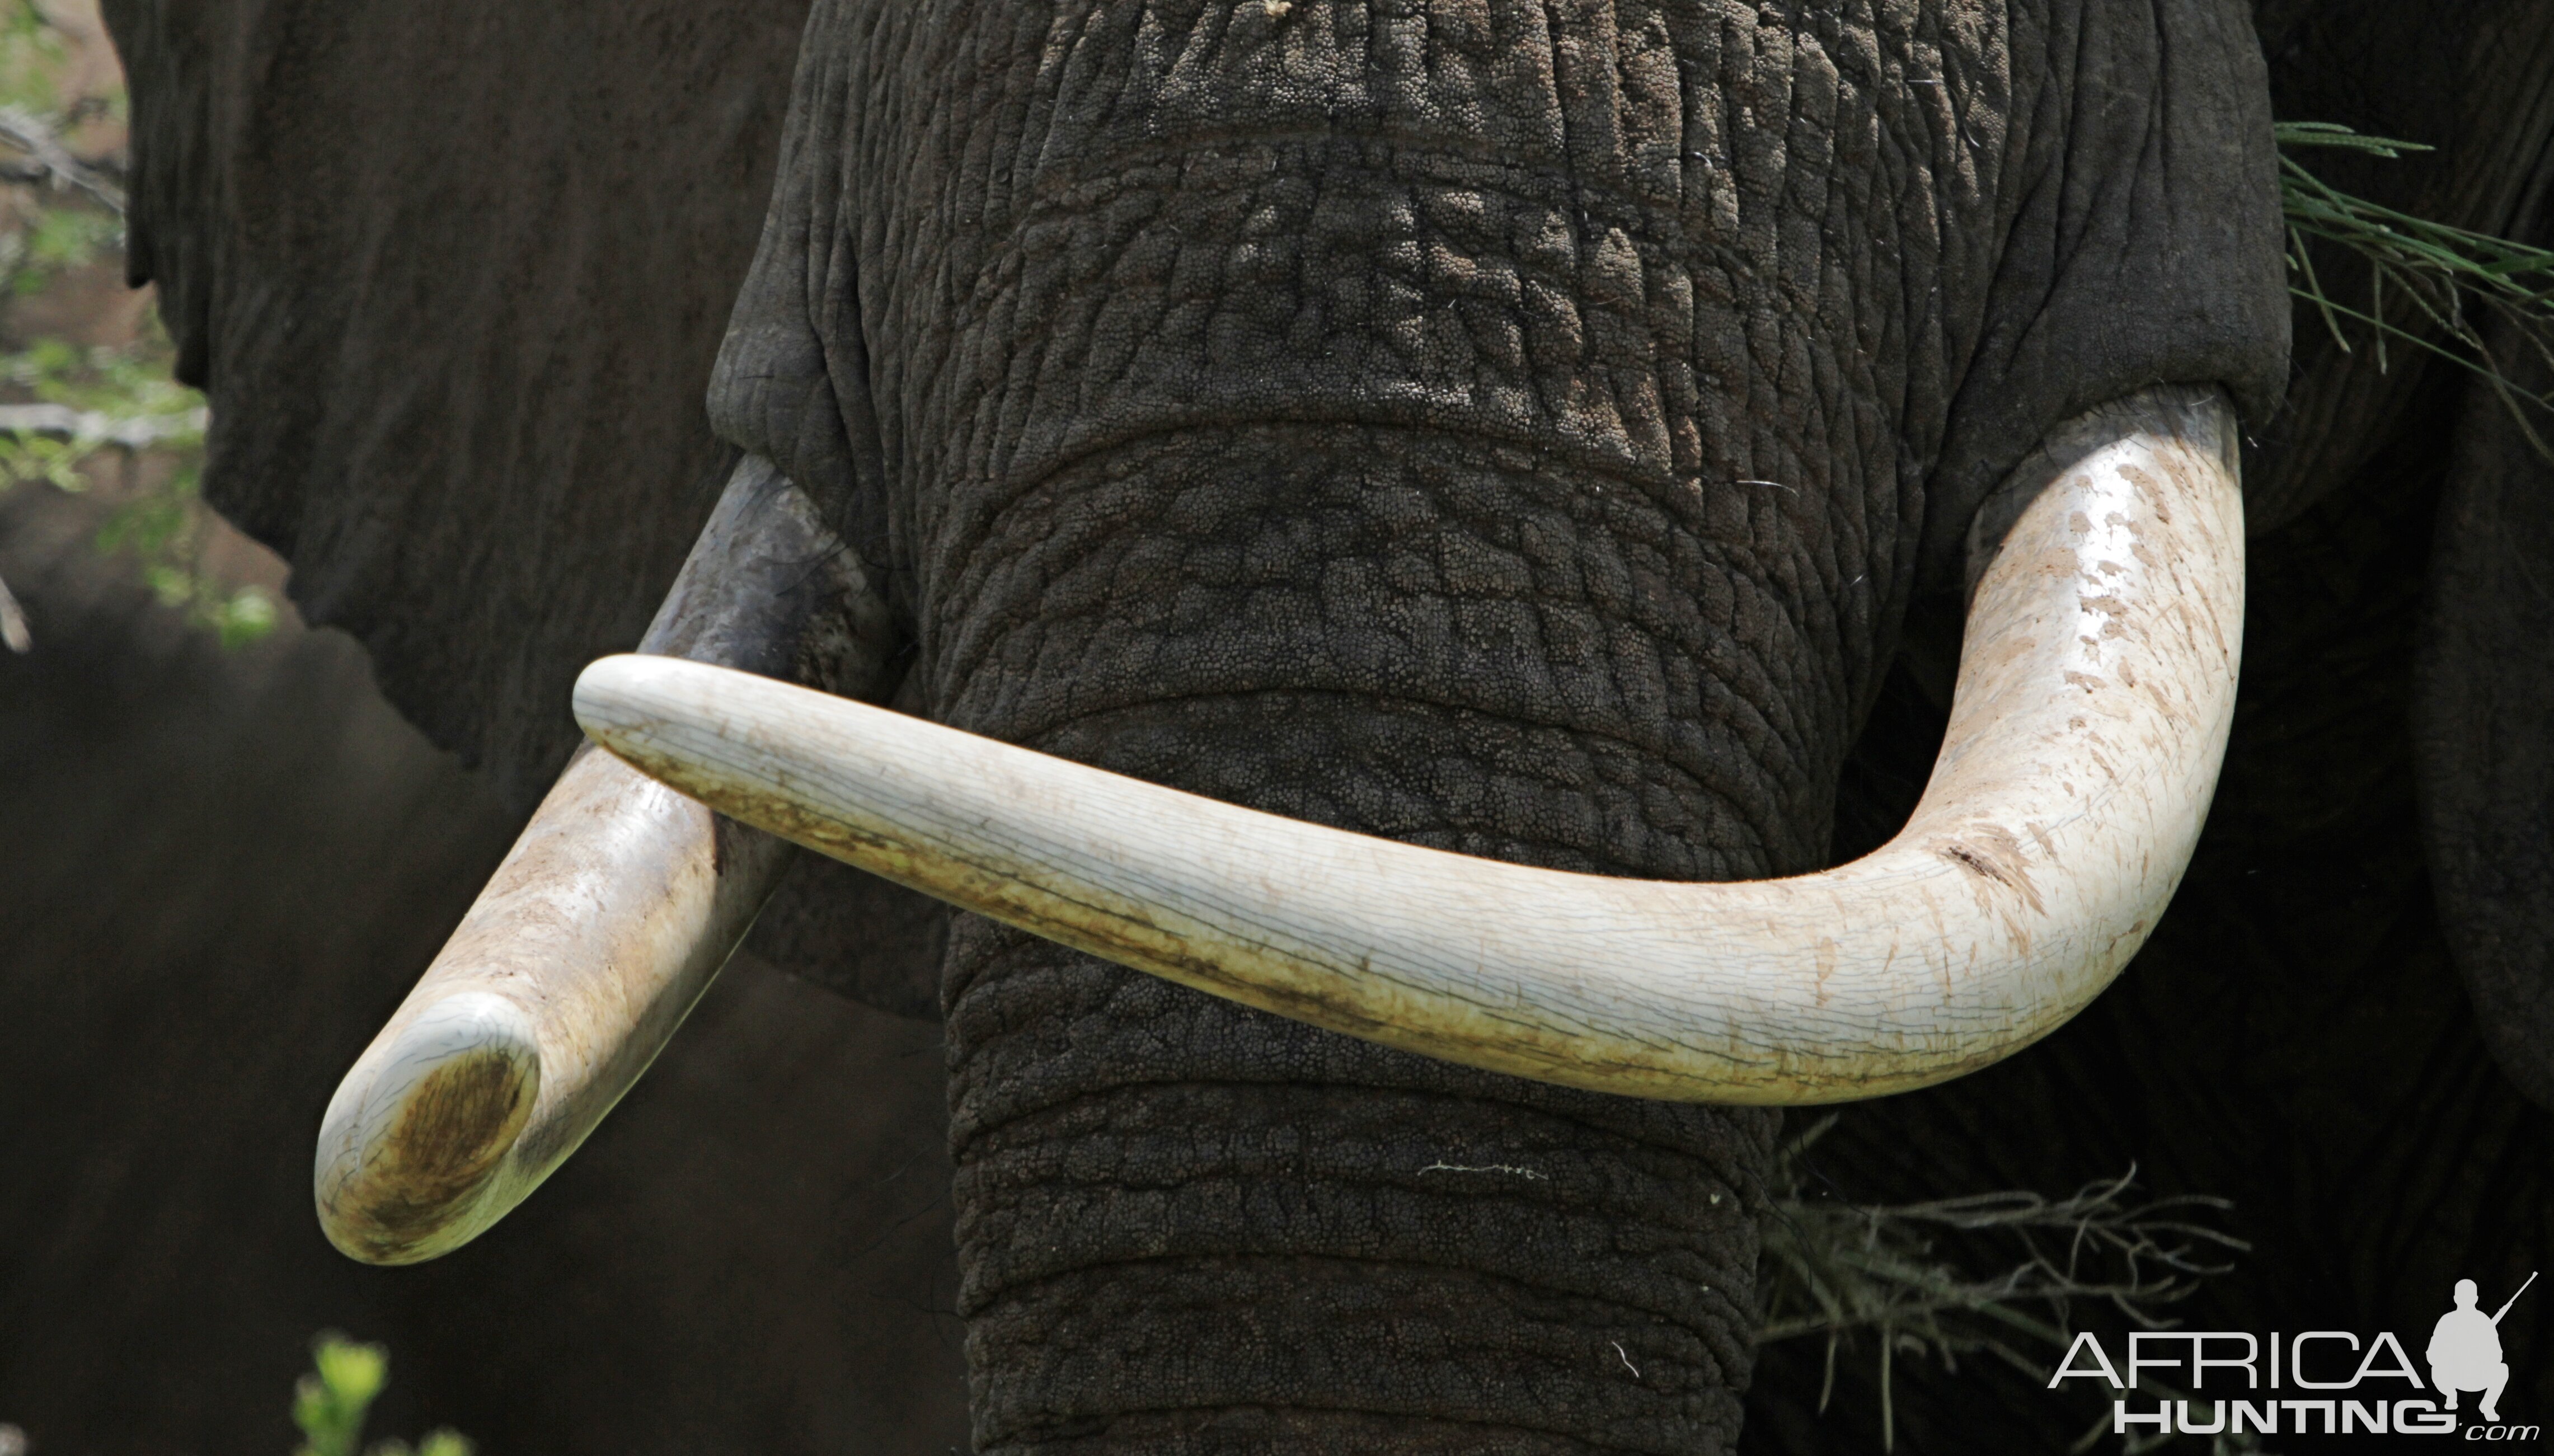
x=1841, y=1269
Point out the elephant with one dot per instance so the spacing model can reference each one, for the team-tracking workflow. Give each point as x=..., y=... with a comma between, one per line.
x=180, y=809
x=2312, y=1032
x=1572, y=440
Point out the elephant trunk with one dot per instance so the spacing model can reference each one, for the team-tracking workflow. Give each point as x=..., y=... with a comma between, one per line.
x=1185, y=1224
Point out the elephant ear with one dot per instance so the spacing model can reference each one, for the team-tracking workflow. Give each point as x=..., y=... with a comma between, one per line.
x=452, y=276
x=2483, y=717
x=2473, y=79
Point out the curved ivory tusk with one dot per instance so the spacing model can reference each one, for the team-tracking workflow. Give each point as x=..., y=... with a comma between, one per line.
x=600, y=931
x=2095, y=693
x=604, y=924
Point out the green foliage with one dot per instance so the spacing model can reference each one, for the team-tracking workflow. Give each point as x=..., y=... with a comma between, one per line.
x=32, y=58
x=330, y=1403
x=122, y=383
x=118, y=409
x=125, y=404
x=63, y=238
x=2430, y=287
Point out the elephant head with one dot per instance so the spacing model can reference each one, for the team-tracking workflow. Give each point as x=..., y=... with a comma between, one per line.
x=1390, y=516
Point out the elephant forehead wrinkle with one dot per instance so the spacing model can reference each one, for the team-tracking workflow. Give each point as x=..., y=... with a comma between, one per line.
x=1582, y=226
x=1361, y=562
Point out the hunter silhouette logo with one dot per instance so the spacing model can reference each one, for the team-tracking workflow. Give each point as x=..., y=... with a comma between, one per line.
x=2321, y=1381
x=2465, y=1350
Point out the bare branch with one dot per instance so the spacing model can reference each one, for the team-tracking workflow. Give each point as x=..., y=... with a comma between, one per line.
x=92, y=427
x=34, y=136
x=13, y=622
x=1843, y=1269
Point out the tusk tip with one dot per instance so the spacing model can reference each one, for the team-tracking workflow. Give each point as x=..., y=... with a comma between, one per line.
x=416, y=1142
x=617, y=693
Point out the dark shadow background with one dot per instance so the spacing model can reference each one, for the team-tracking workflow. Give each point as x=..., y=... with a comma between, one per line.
x=223, y=869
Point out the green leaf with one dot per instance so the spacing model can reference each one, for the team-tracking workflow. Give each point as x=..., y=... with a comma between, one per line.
x=2431, y=286
x=2334, y=134
x=329, y=1404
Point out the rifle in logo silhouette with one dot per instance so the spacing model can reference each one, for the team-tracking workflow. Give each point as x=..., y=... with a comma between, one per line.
x=2504, y=1308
